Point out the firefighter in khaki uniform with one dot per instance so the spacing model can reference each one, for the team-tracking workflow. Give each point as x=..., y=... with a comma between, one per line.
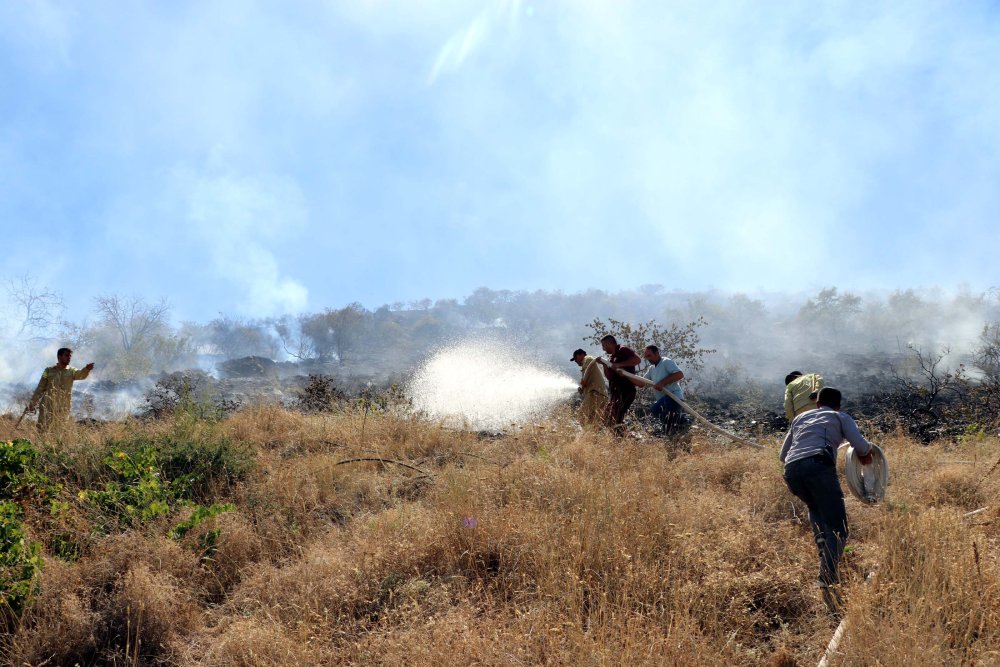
x=54, y=395
x=595, y=392
x=800, y=393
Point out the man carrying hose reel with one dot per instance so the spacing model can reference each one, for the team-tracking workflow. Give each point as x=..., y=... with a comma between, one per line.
x=809, y=453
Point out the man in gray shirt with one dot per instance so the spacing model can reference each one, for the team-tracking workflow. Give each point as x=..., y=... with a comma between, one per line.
x=810, y=457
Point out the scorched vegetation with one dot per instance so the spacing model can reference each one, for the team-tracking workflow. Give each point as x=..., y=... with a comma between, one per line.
x=363, y=535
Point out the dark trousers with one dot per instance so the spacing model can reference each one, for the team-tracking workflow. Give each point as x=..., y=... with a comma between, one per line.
x=814, y=480
x=669, y=413
x=619, y=401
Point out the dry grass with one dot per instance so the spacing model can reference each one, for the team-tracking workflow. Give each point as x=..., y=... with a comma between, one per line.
x=546, y=546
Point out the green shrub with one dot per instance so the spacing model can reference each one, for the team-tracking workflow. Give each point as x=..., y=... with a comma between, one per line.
x=18, y=478
x=152, y=476
x=20, y=559
x=196, y=468
x=137, y=495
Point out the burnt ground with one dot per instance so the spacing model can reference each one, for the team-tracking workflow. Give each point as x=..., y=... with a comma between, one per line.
x=880, y=403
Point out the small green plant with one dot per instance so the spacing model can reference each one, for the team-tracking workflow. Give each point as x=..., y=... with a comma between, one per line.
x=196, y=468
x=20, y=559
x=138, y=495
x=18, y=478
x=972, y=434
x=208, y=541
x=199, y=515
x=381, y=401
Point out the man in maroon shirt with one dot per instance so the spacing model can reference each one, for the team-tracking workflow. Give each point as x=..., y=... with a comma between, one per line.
x=621, y=391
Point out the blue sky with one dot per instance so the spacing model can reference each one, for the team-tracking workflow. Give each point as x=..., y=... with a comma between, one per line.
x=260, y=158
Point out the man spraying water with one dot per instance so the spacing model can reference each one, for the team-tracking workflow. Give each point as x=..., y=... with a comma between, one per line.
x=592, y=387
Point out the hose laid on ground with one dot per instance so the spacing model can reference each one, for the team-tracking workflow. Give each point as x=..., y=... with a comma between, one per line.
x=867, y=482
x=687, y=408
x=831, y=648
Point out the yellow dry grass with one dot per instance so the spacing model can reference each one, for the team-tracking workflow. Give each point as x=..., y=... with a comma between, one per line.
x=545, y=546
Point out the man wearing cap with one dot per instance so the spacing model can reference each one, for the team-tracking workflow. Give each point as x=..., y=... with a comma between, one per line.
x=592, y=387
x=54, y=394
x=800, y=393
x=809, y=453
x=621, y=391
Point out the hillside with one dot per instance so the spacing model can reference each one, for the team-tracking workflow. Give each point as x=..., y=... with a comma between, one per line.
x=368, y=537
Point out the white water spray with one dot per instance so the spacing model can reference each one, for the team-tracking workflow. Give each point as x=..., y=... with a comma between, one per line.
x=487, y=386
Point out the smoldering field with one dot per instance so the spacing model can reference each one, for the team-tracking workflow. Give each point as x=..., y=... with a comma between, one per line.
x=330, y=520
x=887, y=350
x=367, y=537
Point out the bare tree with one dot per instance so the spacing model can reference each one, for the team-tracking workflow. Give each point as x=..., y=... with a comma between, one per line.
x=37, y=307
x=680, y=343
x=929, y=380
x=134, y=320
x=293, y=342
x=236, y=337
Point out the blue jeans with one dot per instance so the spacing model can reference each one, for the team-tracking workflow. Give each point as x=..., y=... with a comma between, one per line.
x=814, y=480
x=663, y=407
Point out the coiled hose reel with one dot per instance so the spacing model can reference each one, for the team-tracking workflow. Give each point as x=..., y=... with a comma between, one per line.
x=867, y=482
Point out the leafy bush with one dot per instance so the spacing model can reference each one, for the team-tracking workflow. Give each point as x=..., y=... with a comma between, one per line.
x=174, y=390
x=18, y=477
x=138, y=495
x=195, y=466
x=20, y=559
x=153, y=474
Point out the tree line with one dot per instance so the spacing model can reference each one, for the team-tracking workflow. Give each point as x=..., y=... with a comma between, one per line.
x=730, y=335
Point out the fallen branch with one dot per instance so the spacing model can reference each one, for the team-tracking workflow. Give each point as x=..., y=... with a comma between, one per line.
x=376, y=459
x=974, y=512
x=988, y=473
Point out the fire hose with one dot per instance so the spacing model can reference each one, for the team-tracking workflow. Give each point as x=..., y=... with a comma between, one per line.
x=687, y=408
x=867, y=483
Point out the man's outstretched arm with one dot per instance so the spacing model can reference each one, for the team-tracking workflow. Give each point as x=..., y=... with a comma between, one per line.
x=83, y=372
